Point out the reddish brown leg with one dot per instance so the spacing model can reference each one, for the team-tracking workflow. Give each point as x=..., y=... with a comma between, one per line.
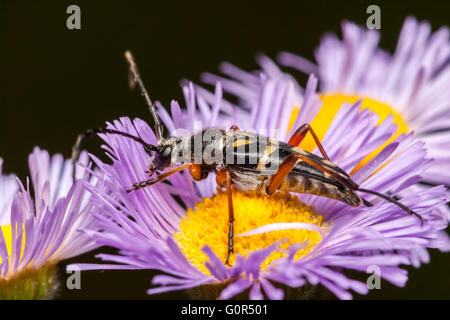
x=300, y=134
x=224, y=177
x=158, y=178
x=284, y=169
x=297, y=138
x=287, y=166
x=196, y=172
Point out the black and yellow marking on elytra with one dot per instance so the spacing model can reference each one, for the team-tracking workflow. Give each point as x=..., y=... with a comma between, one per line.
x=256, y=159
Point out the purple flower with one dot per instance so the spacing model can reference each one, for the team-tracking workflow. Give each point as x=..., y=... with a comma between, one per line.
x=148, y=225
x=413, y=82
x=411, y=86
x=39, y=226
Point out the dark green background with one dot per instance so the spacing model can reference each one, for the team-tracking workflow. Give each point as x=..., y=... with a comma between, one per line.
x=58, y=82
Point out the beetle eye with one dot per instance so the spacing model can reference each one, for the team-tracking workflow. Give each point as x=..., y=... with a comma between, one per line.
x=167, y=151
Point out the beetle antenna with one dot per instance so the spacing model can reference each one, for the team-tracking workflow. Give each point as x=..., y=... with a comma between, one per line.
x=367, y=203
x=136, y=79
x=394, y=201
x=76, y=149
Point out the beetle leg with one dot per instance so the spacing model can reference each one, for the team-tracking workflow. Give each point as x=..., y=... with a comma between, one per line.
x=300, y=134
x=367, y=203
x=196, y=172
x=157, y=179
x=284, y=169
x=288, y=164
x=224, y=177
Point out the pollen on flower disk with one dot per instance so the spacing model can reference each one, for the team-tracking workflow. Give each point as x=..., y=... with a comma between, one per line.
x=207, y=224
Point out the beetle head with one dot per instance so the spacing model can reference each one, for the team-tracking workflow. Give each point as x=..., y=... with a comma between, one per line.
x=162, y=158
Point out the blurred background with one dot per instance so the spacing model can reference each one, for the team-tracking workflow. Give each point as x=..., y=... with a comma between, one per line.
x=57, y=83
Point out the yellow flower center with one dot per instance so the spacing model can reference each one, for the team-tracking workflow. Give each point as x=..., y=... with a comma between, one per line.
x=330, y=107
x=7, y=235
x=207, y=224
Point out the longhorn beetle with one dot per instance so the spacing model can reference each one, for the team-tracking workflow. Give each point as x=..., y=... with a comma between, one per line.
x=296, y=170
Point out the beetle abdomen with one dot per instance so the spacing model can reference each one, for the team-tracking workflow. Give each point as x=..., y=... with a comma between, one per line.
x=309, y=185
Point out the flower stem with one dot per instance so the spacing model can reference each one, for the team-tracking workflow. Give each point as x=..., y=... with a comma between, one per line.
x=31, y=284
